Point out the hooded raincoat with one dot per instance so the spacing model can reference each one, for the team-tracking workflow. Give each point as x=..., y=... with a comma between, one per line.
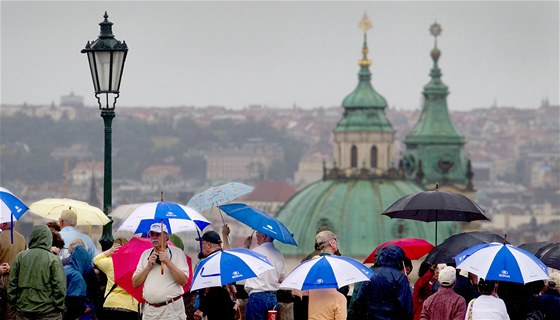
x=37, y=281
x=387, y=295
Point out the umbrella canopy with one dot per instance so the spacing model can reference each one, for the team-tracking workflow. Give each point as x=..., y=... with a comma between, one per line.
x=125, y=261
x=414, y=248
x=11, y=208
x=502, y=262
x=534, y=247
x=435, y=206
x=550, y=255
x=452, y=246
x=51, y=208
x=140, y=220
x=260, y=221
x=218, y=195
x=228, y=266
x=326, y=272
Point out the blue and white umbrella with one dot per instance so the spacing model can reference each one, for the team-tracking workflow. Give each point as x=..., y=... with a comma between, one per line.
x=260, y=221
x=176, y=217
x=11, y=208
x=326, y=272
x=228, y=266
x=501, y=262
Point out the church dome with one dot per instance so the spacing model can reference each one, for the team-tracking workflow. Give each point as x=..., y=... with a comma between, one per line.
x=352, y=209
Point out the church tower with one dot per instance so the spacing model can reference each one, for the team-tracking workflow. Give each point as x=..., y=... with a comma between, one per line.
x=434, y=148
x=364, y=137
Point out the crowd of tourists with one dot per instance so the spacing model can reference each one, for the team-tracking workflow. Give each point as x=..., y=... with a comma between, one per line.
x=59, y=274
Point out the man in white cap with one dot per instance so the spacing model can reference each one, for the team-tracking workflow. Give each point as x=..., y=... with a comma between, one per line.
x=445, y=304
x=163, y=292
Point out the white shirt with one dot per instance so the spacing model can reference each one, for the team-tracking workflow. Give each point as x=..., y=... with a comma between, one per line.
x=487, y=307
x=162, y=287
x=268, y=280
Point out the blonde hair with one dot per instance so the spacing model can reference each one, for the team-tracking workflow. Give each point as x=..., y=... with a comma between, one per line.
x=69, y=216
x=76, y=243
x=323, y=237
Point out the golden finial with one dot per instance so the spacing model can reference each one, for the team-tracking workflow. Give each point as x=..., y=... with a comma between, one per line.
x=365, y=24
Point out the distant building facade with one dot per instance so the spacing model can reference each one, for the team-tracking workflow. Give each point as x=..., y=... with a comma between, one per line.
x=250, y=161
x=72, y=100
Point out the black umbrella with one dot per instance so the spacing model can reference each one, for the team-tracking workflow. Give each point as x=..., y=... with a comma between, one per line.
x=452, y=246
x=436, y=206
x=534, y=247
x=550, y=255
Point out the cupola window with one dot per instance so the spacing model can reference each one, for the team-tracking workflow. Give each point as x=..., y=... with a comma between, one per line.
x=354, y=157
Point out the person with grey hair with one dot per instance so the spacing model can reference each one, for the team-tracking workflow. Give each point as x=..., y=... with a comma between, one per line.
x=262, y=289
x=68, y=219
x=445, y=304
x=326, y=303
x=163, y=291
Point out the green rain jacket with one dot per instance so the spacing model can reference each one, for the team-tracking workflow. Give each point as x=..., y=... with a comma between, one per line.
x=37, y=281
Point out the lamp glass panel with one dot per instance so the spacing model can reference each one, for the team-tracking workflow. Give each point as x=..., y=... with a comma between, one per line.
x=103, y=62
x=93, y=70
x=118, y=63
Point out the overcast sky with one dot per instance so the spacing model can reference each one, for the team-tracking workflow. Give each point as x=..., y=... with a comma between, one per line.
x=278, y=54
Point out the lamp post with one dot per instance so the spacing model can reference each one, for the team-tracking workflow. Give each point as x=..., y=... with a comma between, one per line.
x=106, y=57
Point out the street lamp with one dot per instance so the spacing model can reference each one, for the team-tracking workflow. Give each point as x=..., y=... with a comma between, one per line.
x=106, y=57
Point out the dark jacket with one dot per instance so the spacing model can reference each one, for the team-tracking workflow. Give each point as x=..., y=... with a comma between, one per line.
x=549, y=304
x=37, y=282
x=387, y=295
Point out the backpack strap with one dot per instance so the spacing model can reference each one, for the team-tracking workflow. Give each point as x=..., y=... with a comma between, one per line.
x=111, y=290
x=471, y=306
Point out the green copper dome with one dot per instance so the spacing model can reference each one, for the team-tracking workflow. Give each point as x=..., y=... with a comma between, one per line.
x=352, y=209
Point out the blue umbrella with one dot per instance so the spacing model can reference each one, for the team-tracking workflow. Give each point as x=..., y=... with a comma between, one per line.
x=326, y=272
x=228, y=266
x=10, y=208
x=260, y=221
x=501, y=262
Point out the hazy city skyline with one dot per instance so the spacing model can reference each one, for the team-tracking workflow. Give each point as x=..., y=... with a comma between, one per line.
x=235, y=54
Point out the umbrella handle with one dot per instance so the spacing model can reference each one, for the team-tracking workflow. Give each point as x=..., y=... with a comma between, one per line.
x=161, y=241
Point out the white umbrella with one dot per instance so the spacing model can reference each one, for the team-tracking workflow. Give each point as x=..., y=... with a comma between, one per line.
x=326, y=272
x=502, y=262
x=228, y=266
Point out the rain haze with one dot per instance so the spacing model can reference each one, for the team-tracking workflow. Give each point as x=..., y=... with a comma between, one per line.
x=280, y=54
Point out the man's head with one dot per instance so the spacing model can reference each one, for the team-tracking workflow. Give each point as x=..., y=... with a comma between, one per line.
x=327, y=241
x=157, y=231
x=5, y=226
x=486, y=287
x=553, y=282
x=447, y=276
x=68, y=218
x=262, y=238
x=210, y=241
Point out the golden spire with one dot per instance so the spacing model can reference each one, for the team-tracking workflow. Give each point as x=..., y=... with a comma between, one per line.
x=365, y=25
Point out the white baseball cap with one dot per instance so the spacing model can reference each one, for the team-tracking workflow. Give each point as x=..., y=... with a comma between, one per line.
x=157, y=227
x=447, y=276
